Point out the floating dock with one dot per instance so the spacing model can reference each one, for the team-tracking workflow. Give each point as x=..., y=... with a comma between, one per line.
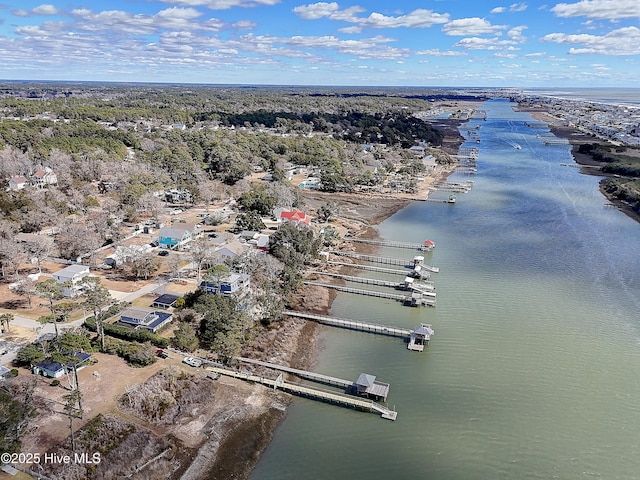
x=559, y=141
x=309, y=392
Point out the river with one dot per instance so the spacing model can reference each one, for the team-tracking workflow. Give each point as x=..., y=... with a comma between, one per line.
x=533, y=368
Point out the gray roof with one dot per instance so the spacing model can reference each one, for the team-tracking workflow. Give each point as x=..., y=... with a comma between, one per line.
x=366, y=380
x=72, y=270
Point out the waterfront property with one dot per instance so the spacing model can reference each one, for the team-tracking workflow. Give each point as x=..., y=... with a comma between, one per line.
x=143, y=318
x=420, y=337
x=233, y=284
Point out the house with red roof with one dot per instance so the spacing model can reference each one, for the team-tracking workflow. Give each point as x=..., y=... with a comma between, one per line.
x=17, y=183
x=296, y=216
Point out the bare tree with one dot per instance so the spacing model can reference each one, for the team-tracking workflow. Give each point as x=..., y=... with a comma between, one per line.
x=11, y=255
x=200, y=252
x=5, y=321
x=39, y=247
x=25, y=287
x=96, y=298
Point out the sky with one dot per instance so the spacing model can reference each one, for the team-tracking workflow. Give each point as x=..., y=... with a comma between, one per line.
x=445, y=43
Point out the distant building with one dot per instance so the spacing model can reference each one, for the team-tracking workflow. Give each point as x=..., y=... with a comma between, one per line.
x=44, y=178
x=18, y=183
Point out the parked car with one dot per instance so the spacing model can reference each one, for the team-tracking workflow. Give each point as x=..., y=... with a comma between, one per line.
x=163, y=253
x=194, y=362
x=162, y=354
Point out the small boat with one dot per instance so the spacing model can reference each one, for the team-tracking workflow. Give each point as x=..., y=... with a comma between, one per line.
x=452, y=199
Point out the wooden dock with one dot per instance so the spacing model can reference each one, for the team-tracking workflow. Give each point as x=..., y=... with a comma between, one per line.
x=427, y=246
x=316, y=377
x=353, y=324
x=309, y=392
x=416, y=339
x=365, y=280
x=406, y=299
x=374, y=258
x=556, y=142
x=408, y=284
x=372, y=268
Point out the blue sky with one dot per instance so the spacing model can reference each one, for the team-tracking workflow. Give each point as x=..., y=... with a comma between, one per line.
x=583, y=43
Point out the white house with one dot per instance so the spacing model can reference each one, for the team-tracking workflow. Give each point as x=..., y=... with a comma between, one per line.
x=18, y=183
x=72, y=273
x=43, y=178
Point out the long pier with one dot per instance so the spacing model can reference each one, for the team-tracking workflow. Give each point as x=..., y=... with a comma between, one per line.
x=374, y=293
x=316, y=377
x=385, y=260
x=372, y=268
x=556, y=142
x=373, y=258
x=353, y=324
x=421, y=287
x=315, y=393
x=427, y=246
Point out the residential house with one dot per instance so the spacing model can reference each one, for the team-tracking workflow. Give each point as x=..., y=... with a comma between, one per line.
x=44, y=178
x=72, y=274
x=177, y=236
x=296, y=216
x=165, y=301
x=143, y=318
x=52, y=369
x=17, y=183
x=230, y=251
x=177, y=196
x=233, y=284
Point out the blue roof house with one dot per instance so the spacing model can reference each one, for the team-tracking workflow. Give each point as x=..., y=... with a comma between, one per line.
x=52, y=369
x=143, y=318
x=235, y=283
x=175, y=237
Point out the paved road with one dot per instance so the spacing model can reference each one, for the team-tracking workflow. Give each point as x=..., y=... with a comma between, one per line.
x=8, y=350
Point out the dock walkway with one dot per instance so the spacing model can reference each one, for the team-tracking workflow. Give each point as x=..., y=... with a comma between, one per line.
x=372, y=268
x=424, y=287
x=353, y=324
x=410, y=299
x=315, y=393
x=316, y=377
x=425, y=247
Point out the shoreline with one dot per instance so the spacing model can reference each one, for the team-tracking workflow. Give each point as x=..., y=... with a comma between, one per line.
x=588, y=166
x=237, y=454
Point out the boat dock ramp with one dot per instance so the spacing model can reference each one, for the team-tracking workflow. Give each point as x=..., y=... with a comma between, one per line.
x=426, y=246
x=309, y=392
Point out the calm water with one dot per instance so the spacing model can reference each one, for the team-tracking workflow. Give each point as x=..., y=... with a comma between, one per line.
x=533, y=370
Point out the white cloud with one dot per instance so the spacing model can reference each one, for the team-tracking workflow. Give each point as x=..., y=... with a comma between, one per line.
x=438, y=53
x=350, y=30
x=536, y=54
x=624, y=41
x=499, y=10
x=599, y=9
x=470, y=26
x=477, y=43
x=419, y=18
x=45, y=10
x=516, y=35
x=221, y=4
x=518, y=7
